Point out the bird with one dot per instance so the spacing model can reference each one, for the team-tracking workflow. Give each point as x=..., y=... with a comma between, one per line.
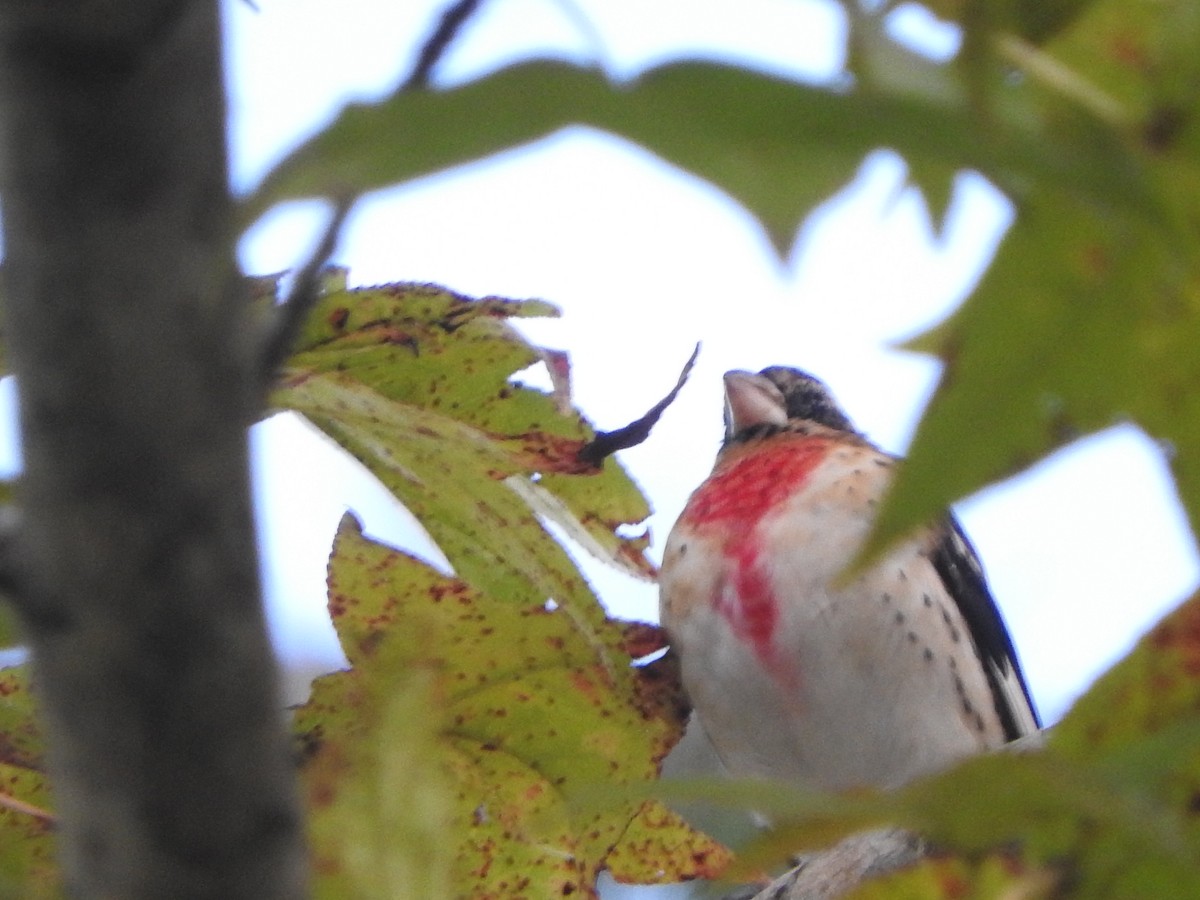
x=796, y=674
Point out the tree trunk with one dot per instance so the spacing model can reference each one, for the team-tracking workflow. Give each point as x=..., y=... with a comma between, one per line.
x=136, y=573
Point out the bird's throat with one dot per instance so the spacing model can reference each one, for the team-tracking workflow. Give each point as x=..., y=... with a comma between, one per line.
x=750, y=481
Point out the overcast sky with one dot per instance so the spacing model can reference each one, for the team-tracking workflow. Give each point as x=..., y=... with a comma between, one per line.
x=1083, y=553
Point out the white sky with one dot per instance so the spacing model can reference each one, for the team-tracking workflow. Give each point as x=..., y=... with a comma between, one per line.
x=1083, y=553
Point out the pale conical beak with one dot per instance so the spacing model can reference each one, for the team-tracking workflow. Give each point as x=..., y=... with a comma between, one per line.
x=751, y=400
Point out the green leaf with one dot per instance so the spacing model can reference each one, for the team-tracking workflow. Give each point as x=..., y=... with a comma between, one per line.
x=1114, y=839
x=1156, y=688
x=950, y=878
x=10, y=635
x=414, y=381
x=1084, y=320
x=1141, y=52
x=28, y=866
x=452, y=478
x=530, y=709
x=1073, y=817
x=776, y=146
x=380, y=803
x=935, y=181
x=1036, y=20
x=23, y=744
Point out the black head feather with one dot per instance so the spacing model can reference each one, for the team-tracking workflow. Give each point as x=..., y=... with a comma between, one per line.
x=807, y=398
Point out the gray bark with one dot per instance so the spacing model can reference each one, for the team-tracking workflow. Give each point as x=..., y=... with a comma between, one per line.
x=136, y=567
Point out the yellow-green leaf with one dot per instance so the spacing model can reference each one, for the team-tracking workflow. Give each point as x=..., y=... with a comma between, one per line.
x=533, y=706
x=28, y=866
x=380, y=803
x=414, y=381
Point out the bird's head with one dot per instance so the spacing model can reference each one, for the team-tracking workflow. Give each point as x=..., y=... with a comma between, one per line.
x=776, y=396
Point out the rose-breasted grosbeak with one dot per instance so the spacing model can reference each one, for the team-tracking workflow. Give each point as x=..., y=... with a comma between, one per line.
x=795, y=675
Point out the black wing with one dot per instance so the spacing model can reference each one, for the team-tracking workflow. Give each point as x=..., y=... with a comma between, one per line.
x=958, y=565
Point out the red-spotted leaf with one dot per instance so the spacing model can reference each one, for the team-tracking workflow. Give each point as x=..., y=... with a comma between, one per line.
x=415, y=382
x=380, y=804
x=534, y=707
x=28, y=866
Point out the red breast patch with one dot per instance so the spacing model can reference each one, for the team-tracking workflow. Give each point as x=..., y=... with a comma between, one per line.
x=734, y=500
x=741, y=491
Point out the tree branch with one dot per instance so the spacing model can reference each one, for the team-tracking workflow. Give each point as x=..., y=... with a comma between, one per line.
x=452, y=21
x=845, y=866
x=287, y=319
x=170, y=769
x=606, y=443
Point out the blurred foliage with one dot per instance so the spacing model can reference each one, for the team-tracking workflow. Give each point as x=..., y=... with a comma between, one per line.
x=997, y=875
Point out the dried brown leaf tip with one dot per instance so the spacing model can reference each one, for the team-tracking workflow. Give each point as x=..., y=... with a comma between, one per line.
x=606, y=443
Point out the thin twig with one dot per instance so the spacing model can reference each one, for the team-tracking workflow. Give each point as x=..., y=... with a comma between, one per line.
x=288, y=318
x=435, y=45
x=606, y=443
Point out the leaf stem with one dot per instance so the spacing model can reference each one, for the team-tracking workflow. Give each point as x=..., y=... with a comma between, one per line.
x=1047, y=70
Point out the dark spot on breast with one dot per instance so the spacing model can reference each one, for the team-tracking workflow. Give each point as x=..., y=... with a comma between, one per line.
x=927, y=600
x=902, y=574
x=912, y=637
x=886, y=598
x=882, y=463
x=682, y=549
x=928, y=654
x=899, y=618
x=951, y=628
